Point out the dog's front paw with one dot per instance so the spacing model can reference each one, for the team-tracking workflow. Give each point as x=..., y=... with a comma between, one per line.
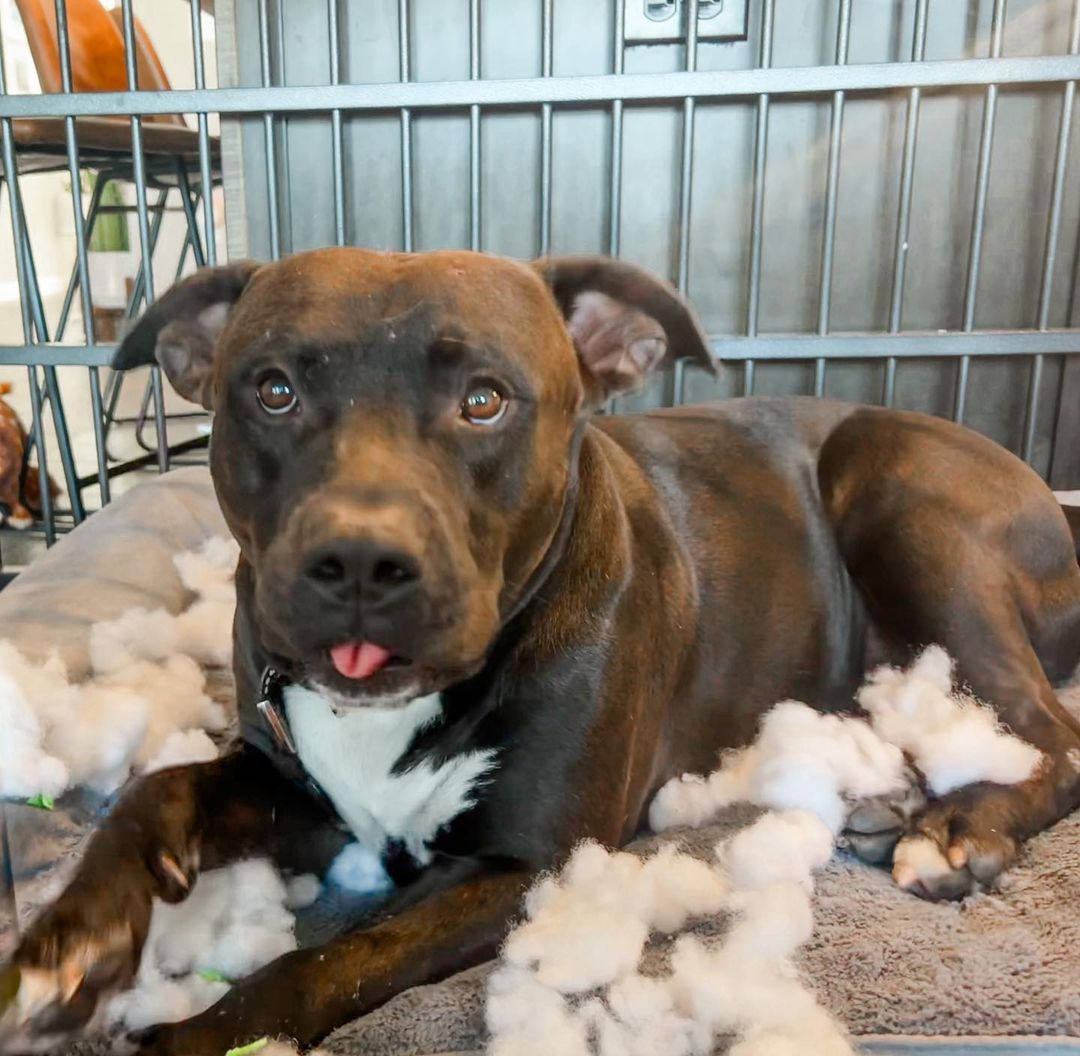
x=85, y=946
x=52, y=988
x=959, y=844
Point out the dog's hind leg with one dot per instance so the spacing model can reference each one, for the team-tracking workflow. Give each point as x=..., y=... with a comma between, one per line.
x=152, y=844
x=954, y=542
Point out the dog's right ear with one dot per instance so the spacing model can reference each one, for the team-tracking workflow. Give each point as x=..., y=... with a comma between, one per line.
x=181, y=328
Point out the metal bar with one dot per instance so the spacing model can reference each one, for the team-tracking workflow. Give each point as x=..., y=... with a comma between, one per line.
x=189, y=203
x=97, y=413
x=903, y=213
x=475, y=240
x=832, y=183
x=8, y=900
x=404, y=62
x=138, y=291
x=52, y=384
x=615, y=182
x=268, y=134
x=75, y=280
x=38, y=433
x=910, y=344
x=55, y=354
x=196, y=443
x=761, y=140
x=748, y=377
x=601, y=88
x=145, y=244
x=150, y=391
x=686, y=183
x=63, y=442
x=206, y=184
x=283, y=122
x=907, y=345
x=1053, y=225
x=546, y=49
x=982, y=187
x=336, y=150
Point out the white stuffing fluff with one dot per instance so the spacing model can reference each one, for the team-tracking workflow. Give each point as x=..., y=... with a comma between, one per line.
x=360, y=869
x=569, y=979
x=302, y=891
x=182, y=747
x=146, y=690
x=801, y=760
x=953, y=739
x=234, y=921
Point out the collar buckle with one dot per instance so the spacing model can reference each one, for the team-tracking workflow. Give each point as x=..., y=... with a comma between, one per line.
x=269, y=707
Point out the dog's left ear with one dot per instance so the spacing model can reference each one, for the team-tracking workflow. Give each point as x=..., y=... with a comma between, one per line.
x=624, y=321
x=181, y=328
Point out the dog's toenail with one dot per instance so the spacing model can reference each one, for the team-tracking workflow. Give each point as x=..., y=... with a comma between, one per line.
x=172, y=867
x=905, y=875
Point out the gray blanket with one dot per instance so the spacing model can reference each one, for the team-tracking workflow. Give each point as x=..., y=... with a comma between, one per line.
x=883, y=962
x=982, y=977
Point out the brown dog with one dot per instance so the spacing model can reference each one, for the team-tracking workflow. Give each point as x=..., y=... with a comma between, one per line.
x=475, y=626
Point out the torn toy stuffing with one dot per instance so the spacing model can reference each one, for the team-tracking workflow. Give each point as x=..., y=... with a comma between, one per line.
x=235, y=920
x=569, y=979
x=147, y=687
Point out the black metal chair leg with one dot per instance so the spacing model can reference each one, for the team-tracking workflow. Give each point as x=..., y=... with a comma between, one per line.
x=52, y=384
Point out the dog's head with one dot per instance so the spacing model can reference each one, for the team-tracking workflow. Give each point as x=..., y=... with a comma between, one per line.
x=393, y=436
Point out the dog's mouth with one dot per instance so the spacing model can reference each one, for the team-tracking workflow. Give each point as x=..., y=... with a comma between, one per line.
x=359, y=661
x=364, y=674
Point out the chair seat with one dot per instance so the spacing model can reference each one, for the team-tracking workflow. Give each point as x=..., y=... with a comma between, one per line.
x=111, y=139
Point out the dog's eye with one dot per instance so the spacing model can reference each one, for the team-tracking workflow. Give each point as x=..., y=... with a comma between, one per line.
x=275, y=393
x=484, y=405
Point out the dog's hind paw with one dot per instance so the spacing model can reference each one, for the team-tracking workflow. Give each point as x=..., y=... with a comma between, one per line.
x=960, y=843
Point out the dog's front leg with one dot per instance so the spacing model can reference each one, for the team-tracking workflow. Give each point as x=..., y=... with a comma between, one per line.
x=305, y=995
x=151, y=844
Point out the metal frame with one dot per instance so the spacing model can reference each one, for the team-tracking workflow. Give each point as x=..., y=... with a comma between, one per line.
x=566, y=91
x=37, y=350
x=272, y=104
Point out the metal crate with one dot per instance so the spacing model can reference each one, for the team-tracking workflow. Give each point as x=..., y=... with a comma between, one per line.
x=866, y=199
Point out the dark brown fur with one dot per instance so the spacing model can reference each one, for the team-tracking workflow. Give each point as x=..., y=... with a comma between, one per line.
x=607, y=604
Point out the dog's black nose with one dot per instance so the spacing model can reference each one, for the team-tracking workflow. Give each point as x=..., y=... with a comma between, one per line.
x=345, y=568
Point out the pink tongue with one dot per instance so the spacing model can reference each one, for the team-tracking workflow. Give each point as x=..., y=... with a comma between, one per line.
x=359, y=659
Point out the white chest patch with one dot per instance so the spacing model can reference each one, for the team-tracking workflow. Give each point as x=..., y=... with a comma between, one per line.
x=352, y=756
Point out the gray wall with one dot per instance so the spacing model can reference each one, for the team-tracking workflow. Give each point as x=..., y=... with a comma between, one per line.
x=805, y=34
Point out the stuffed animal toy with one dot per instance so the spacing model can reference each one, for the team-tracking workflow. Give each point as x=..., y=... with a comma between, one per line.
x=20, y=499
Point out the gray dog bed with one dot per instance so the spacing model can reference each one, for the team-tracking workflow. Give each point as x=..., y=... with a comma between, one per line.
x=996, y=974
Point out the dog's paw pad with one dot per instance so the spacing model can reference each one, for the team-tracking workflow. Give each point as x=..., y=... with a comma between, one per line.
x=872, y=831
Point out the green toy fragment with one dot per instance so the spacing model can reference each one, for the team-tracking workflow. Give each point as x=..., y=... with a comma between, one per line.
x=42, y=802
x=212, y=975
x=249, y=1048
